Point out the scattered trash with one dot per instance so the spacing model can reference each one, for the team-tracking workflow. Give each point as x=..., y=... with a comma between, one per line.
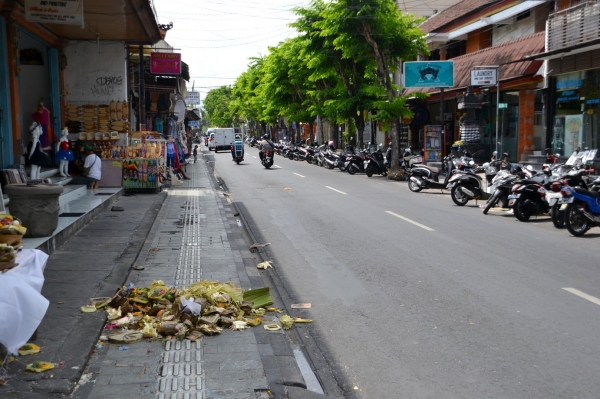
x=265, y=265
x=138, y=267
x=117, y=209
x=99, y=346
x=301, y=305
x=3, y=382
x=29, y=349
x=103, y=338
x=61, y=364
x=39, y=366
x=255, y=247
x=75, y=368
x=204, y=308
x=287, y=322
x=123, y=348
x=88, y=309
x=287, y=188
x=272, y=327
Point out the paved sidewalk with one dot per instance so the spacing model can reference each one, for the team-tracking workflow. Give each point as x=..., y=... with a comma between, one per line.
x=187, y=234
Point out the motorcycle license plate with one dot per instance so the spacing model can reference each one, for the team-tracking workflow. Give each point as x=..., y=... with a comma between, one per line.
x=566, y=201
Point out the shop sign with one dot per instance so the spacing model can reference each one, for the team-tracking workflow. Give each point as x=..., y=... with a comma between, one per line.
x=64, y=12
x=193, y=98
x=428, y=74
x=483, y=77
x=569, y=81
x=165, y=63
x=502, y=105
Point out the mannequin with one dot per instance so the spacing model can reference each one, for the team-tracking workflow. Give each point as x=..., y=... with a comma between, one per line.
x=43, y=118
x=171, y=151
x=64, y=153
x=37, y=157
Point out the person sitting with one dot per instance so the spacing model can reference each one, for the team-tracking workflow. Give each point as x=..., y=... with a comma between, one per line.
x=265, y=145
x=91, y=171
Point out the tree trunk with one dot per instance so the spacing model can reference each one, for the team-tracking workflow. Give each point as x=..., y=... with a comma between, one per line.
x=395, y=142
x=360, y=130
x=310, y=134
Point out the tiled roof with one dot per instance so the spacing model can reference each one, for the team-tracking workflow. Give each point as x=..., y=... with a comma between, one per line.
x=450, y=14
x=497, y=55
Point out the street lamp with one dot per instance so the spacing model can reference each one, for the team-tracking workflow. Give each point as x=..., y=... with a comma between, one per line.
x=497, y=68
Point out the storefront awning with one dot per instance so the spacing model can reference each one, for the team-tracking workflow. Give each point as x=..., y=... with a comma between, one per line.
x=503, y=55
x=132, y=21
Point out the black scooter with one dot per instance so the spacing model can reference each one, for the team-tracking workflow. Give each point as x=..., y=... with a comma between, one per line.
x=423, y=177
x=374, y=163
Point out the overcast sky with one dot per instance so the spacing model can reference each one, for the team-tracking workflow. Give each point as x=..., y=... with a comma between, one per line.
x=217, y=37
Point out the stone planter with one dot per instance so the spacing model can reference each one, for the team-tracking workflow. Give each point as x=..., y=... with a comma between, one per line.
x=37, y=206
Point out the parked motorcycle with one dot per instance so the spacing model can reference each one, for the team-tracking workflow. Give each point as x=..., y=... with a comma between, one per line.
x=468, y=185
x=582, y=209
x=423, y=177
x=503, y=183
x=374, y=163
x=528, y=196
x=355, y=162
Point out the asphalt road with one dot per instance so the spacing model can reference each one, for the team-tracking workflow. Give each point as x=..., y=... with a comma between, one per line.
x=415, y=297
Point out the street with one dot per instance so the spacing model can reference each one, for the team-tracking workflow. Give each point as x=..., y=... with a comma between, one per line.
x=415, y=297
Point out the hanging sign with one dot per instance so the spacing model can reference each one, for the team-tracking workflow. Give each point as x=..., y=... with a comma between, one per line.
x=64, y=12
x=429, y=74
x=165, y=63
x=193, y=98
x=483, y=77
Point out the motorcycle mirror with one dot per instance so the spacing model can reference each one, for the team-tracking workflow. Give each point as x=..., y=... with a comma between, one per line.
x=530, y=168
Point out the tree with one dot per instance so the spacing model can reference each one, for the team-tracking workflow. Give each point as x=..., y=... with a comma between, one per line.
x=377, y=30
x=354, y=90
x=217, y=106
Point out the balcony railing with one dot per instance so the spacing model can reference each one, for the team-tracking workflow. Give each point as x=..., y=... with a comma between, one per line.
x=575, y=25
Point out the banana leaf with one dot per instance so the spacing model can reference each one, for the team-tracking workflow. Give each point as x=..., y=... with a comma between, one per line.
x=259, y=297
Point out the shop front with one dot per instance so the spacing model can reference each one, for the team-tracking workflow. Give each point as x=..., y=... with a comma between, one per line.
x=575, y=105
x=520, y=122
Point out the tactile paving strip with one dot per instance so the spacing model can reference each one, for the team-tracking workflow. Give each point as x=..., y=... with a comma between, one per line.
x=182, y=372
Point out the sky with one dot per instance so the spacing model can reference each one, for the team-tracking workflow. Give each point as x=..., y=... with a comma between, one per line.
x=217, y=37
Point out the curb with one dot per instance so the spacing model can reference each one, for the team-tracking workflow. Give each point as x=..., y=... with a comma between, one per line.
x=281, y=367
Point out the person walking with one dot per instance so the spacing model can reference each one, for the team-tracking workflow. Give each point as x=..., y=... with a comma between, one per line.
x=195, y=154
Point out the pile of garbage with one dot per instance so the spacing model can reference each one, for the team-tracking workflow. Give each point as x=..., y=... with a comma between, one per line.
x=204, y=308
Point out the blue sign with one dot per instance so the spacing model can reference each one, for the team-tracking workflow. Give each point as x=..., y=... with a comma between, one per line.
x=429, y=74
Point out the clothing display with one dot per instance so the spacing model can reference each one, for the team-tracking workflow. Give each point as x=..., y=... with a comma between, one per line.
x=65, y=153
x=158, y=124
x=39, y=157
x=173, y=129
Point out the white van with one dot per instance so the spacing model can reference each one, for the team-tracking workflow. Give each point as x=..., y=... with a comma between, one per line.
x=222, y=139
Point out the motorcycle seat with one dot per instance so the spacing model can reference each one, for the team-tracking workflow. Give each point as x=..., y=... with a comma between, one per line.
x=433, y=169
x=593, y=194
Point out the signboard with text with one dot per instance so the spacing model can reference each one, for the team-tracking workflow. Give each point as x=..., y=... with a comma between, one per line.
x=428, y=74
x=64, y=12
x=193, y=98
x=165, y=63
x=483, y=77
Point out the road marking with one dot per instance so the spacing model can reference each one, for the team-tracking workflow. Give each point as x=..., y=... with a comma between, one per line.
x=277, y=166
x=298, y=174
x=410, y=221
x=338, y=191
x=253, y=157
x=583, y=295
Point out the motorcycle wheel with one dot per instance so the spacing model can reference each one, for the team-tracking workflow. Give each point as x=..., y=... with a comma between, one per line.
x=414, y=187
x=522, y=211
x=491, y=203
x=330, y=166
x=351, y=169
x=369, y=171
x=558, y=217
x=458, y=196
x=343, y=168
x=267, y=165
x=575, y=220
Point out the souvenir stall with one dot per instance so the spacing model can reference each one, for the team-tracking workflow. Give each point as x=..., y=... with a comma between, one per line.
x=143, y=162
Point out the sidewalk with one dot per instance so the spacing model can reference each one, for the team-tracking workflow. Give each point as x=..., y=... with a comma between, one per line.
x=185, y=235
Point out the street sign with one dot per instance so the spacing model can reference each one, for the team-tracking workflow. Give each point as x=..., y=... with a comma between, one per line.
x=483, y=77
x=503, y=105
x=193, y=98
x=428, y=74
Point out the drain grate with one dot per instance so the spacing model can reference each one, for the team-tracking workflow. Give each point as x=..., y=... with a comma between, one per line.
x=71, y=215
x=104, y=194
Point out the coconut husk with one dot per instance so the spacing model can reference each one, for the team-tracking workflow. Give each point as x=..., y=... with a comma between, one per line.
x=209, y=319
x=225, y=321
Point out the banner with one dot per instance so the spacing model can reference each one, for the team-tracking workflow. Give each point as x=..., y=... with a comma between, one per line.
x=429, y=74
x=65, y=12
x=165, y=63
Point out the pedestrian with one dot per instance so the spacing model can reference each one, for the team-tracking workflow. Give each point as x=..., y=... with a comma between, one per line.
x=91, y=171
x=195, y=154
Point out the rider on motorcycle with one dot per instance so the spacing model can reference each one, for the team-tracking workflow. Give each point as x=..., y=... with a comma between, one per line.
x=265, y=145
